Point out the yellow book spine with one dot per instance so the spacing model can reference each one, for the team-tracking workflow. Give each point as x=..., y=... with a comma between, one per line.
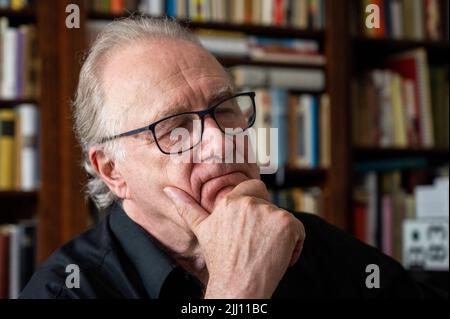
x=17, y=4
x=400, y=139
x=7, y=149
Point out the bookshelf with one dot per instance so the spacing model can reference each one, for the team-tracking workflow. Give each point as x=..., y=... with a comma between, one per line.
x=366, y=153
x=232, y=61
x=22, y=15
x=297, y=177
x=59, y=204
x=390, y=175
x=273, y=31
x=10, y=103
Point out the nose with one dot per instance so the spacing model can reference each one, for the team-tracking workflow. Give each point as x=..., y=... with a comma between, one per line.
x=212, y=148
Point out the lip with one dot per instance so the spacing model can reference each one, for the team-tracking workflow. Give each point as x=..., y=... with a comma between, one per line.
x=215, y=185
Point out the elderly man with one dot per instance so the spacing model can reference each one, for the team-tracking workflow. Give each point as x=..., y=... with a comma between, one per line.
x=191, y=229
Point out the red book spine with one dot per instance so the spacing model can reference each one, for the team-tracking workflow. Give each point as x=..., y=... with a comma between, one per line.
x=278, y=12
x=4, y=265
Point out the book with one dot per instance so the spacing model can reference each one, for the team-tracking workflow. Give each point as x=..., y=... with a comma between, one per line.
x=152, y=7
x=16, y=234
x=296, y=199
x=263, y=124
x=224, y=43
x=7, y=148
x=325, y=131
x=9, y=63
x=279, y=121
x=398, y=112
x=439, y=101
x=285, y=51
x=171, y=8
x=27, y=157
x=19, y=64
x=432, y=200
x=413, y=65
x=403, y=105
x=4, y=262
x=303, y=137
x=384, y=201
x=407, y=19
x=298, y=79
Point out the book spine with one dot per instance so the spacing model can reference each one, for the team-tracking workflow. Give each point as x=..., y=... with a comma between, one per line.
x=267, y=12
x=314, y=134
x=279, y=111
x=14, y=261
x=387, y=225
x=28, y=132
x=4, y=263
x=20, y=63
x=171, y=8
x=7, y=149
x=9, y=72
x=117, y=6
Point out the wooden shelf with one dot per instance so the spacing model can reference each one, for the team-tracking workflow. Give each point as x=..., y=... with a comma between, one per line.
x=232, y=61
x=375, y=49
x=19, y=16
x=18, y=195
x=297, y=177
x=397, y=44
x=272, y=31
x=374, y=153
x=13, y=102
x=17, y=205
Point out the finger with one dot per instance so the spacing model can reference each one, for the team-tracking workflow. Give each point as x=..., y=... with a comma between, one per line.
x=189, y=210
x=253, y=187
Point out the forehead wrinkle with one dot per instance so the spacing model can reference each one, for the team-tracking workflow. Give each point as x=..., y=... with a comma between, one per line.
x=139, y=97
x=182, y=105
x=183, y=68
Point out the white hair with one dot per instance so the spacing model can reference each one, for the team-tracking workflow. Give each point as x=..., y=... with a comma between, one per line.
x=92, y=121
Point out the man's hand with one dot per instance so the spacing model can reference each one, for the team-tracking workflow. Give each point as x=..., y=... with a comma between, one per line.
x=247, y=242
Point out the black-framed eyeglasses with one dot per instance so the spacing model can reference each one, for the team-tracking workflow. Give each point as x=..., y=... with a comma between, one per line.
x=182, y=132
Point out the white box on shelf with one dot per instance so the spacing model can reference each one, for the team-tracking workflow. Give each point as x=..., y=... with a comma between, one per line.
x=426, y=244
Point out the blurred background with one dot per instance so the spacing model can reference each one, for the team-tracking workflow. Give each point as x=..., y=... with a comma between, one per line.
x=360, y=99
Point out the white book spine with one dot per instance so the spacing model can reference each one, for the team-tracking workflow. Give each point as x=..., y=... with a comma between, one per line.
x=28, y=115
x=304, y=113
x=267, y=12
x=300, y=79
x=9, y=72
x=225, y=46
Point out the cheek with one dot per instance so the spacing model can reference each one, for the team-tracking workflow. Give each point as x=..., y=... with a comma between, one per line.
x=149, y=174
x=178, y=175
x=144, y=172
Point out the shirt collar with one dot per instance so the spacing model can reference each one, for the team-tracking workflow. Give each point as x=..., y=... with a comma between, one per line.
x=152, y=263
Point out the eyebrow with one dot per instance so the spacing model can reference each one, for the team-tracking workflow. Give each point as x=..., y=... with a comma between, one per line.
x=180, y=107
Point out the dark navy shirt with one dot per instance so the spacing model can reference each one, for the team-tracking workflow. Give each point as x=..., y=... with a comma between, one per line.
x=118, y=259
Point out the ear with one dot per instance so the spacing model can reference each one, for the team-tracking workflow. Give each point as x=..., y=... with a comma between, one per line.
x=109, y=172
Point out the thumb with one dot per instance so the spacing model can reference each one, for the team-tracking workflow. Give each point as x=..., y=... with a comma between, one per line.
x=188, y=208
